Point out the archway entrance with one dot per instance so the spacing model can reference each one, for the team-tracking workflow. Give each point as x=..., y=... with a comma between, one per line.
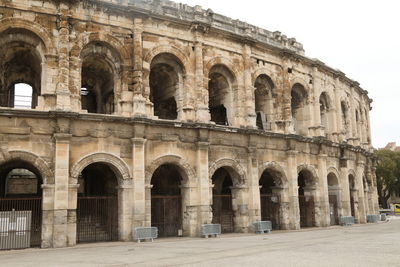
x=270, y=200
x=166, y=201
x=333, y=193
x=306, y=189
x=222, y=200
x=20, y=190
x=97, y=210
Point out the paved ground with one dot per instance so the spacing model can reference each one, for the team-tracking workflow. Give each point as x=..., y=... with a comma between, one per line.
x=358, y=245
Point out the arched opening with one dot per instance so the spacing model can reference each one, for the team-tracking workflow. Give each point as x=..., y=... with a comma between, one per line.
x=306, y=188
x=220, y=95
x=270, y=198
x=166, y=85
x=353, y=192
x=324, y=110
x=333, y=194
x=20, y=63
x=166, y=200
x=97, y=210
x=99, y=78
x=298, y=106
x=264, y=104
x=20, y=190
x=222, y=200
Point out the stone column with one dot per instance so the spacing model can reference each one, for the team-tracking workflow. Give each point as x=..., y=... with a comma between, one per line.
x=63, y=94
x=204, y=185
x=139, y=184
x=292, y=175
x=61, y=187
x=139, y=100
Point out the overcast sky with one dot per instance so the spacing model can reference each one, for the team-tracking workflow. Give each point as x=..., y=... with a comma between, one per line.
x=359, y=37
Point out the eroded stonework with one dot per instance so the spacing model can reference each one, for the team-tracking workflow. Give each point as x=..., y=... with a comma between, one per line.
x=135, y=86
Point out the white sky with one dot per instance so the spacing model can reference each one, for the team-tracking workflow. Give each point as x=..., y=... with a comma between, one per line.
x=359, y=37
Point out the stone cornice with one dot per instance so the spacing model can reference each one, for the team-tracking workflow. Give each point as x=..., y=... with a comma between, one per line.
x=172, y=124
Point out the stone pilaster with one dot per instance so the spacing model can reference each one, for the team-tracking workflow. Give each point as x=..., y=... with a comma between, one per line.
x=345, y=189
x=139, y=186
x=47, y=216
x=71, y=214
x=202, y=112
x=205, y=187
x=125, y=210
x=253, y=185
x=139, y=100
x=63, y=93
x=294, y=209
x=362, y=209
x=322, y=193
x=248, y=109
x=61, y=188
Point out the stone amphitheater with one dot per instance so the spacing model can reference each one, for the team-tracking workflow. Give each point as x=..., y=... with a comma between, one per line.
x=122, y=114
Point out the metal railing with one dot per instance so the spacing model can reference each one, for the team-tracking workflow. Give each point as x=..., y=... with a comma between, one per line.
x=346, y=220
x=145, y=233
x=210, y=230
x=262, y=227
x=373, y=218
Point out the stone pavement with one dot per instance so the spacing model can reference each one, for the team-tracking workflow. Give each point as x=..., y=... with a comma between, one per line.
x=358, y=245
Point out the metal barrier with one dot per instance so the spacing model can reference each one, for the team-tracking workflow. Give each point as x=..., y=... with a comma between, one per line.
x=15, y=229
x=144, y=233
x=346, y=220
x=373, y=218
x=262, y=226
x=210, y=229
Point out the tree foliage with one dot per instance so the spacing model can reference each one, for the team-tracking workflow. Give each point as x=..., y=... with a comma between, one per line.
x=387, y=174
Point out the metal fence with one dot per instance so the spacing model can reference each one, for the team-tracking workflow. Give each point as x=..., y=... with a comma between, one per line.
x=15, y=229
x=33, y=204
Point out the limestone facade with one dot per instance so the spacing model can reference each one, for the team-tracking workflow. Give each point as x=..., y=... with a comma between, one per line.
x=139, y=84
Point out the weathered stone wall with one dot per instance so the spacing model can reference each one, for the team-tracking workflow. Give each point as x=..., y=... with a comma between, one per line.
x=59, y=139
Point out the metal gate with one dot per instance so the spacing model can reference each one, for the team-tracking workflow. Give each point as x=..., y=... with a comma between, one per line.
x=223, y=212
x=270, y=205
x=166, y=215
x=307, y=211
x=333, y=210
x=33, y=204
x=97, y=219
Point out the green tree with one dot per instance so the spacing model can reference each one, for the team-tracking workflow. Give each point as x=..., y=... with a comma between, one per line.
x=387, y=174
